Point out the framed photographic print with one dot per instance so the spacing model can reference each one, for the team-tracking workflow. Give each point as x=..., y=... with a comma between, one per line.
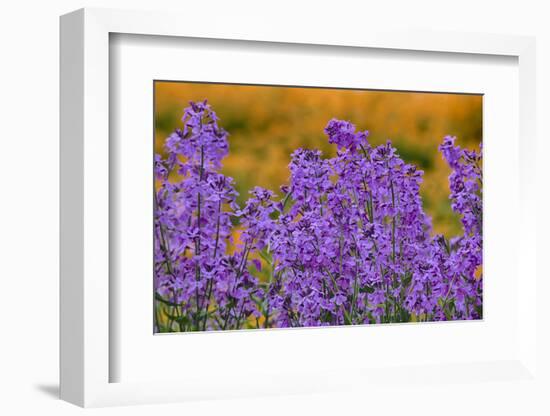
x=293, y=208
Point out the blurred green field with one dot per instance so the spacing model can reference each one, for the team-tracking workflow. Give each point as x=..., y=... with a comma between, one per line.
x=266, y=124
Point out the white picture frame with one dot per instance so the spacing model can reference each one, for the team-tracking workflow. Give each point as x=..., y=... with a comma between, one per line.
x=85, y=354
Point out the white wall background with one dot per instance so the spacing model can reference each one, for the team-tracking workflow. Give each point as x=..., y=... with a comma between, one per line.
x=29, y=56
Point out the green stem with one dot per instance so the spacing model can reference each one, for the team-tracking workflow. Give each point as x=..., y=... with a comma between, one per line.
x=210, y=284
x=198, y=243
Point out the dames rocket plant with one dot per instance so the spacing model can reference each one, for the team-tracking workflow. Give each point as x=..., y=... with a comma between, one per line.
x=346, y=242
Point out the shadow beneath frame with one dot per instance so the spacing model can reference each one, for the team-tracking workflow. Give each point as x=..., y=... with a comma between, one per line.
x=51, y=390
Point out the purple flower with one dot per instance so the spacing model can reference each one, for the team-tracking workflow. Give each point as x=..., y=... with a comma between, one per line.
x=342, y=133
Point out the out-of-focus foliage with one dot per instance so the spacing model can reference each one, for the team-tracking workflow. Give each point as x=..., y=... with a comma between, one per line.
x=266, y=124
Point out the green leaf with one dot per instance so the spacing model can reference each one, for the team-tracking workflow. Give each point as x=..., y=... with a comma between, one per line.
x=266, y=256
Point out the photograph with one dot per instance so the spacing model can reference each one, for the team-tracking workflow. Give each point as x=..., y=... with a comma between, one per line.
x=290, y=206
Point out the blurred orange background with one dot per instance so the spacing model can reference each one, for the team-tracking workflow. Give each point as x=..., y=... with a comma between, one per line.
x=267, y=123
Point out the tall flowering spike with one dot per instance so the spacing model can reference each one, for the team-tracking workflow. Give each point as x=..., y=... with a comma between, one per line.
x=193, y=227
x=256, y=218
x=342, y=133
x=459, y=264
x=466, y=184
x=309, y=178
x=201, y=140
x=451, y=153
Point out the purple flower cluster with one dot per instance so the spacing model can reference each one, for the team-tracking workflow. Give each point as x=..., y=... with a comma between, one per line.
x=198, y=283
x=348, y=241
